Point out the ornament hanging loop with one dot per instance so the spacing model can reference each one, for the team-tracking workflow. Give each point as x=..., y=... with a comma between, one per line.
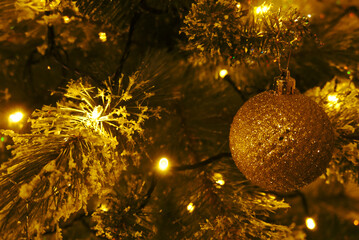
x=284, y=84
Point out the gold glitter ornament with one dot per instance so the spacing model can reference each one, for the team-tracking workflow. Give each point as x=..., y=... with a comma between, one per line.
x=281, y=142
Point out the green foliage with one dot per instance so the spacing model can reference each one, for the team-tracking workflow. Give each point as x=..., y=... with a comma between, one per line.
x=228, y=33
x=117, y=12
x=340, y=100
x=72, y=154
x=226, y=206
x=122, y=214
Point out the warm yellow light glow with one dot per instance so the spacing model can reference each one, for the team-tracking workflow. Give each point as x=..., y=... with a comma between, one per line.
x=310, y=223
x=102, y=36
x=309, y=15
x=333, y=101
x=96, y=113
x=356, y=222
x=190, y=207
x=238, y=5
x=66, y=19
x=218, y=178
x=333, y=98
x=16, y=117
x=262, y=9
x=104, y=208
x=94, y=118
x=48, y=67
x=163, y=164
x=223, y=73
x=220, y=182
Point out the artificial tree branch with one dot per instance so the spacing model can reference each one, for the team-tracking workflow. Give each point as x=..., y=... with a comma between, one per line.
x=126, y=50
x=202, y=163
x=149, y=192
x=229, y=80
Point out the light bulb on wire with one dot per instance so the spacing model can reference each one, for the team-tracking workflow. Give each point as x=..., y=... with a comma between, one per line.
x=190, y=207
x=333, y=101
x=163, y=164
x=66, y=19
x=310, y=223
x=102, y=36
x=16, y=117
x=104, y=208
x=223, y=73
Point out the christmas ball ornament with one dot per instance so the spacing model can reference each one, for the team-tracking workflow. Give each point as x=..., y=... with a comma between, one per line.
x=281, y=141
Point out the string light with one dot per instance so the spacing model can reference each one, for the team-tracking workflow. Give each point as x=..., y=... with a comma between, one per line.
x=333, y=101
x=94, y=118
x=220, y=182
x=332, y=98
x=356, y=222
x=223, y=73
x=96, y=113
x=262, y=9
x=309, y=15
x=2, y=139
x=218, y=178
x=163, y=164
x=104, y=208
x=102, y=36
x=16, y=117
x=66, y=19
x=190, y=207
x=310, y=223
x=238, y=5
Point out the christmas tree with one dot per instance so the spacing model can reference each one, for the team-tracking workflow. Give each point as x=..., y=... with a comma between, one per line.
x=179, y=119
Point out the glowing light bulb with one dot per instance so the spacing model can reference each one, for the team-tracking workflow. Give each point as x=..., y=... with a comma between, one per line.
x=333, y=101
x=310, y=223
x=102, y=36
x=238, y=5
x=262, y=9
x=356, y=222
x=190, y=207
x=96, y=113
x=218, y=178
x=220, y=182
x=16, y=117
x=104, y=208
x=309, y=15
x=163, y=164
x=223, y=73
x=66, y=19
x=333, y=98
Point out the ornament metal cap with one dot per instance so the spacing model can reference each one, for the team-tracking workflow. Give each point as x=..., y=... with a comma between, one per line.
x=284, y=84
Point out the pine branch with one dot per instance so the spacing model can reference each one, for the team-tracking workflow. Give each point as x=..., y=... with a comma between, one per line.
x=126, y=50
x=222, y=203
x=202, y=163
x=116, y=13
x=228, y=79
x=340, y=99
x=70, y=155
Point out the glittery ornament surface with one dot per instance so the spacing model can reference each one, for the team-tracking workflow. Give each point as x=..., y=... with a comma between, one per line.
x=281, y=142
